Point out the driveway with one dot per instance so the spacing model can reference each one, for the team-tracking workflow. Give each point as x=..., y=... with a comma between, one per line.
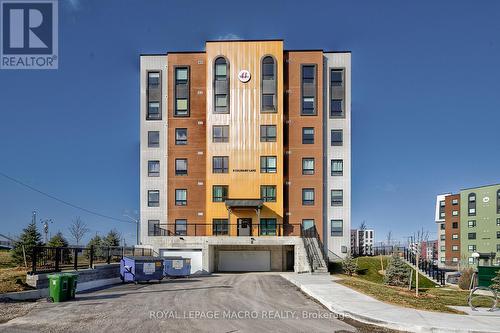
x=217, y=303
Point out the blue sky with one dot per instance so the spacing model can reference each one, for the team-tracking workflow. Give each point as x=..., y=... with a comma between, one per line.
x=425, y=101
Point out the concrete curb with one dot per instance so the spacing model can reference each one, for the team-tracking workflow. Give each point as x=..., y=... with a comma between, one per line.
x=439, y=325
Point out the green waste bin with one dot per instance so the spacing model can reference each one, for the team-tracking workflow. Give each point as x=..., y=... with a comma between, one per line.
x=58, y=288
x=72, y=280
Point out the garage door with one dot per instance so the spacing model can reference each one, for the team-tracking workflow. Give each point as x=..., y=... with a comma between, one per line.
x=195, y=256
x=244, y=261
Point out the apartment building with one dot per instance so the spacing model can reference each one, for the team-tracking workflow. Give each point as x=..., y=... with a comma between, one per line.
x=429, y=250
x=362, y=242
x=243, y=147
x=469, y=222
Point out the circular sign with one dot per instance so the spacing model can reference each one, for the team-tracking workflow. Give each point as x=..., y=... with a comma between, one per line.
x=244, y=76
x=486, y=199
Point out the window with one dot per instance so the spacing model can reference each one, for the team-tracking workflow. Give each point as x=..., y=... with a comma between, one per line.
x=442, y=209
x=498, y=234
x=181, y=197
x=443, y=237
x=337, y=77
x=472, y=204
x=308, y=166
x=454, y=236
x=308, y=90
x=181, y=104
x=442, y=225
x=337, y=197
x=337, y=92
x=472, y=223
x=454, y=247
x=454, y=213
x=442, y=259
x=308, y=106
x=454, y=259
x=498, y=202
x=307, y=196
x=153, y=168
x=268, y=193
x=337, y=138
x=268, y=164
x=153, y=139
x=471, y=260
x=498, y=222
x=471, y=248
x=220, y=227
x=181, y=166
x=498, y=247
x=454, y=202
x=153, y=80
x=221, y=86
x=337, y=167
x=454, y=225
x=471, y=235
x=337, y=227
x=267, y=133
x=268, y=227
x=268, y=84
x=154, y=198
x=154, y=228
x=443, y=248
x=154, y=111
x=220, y=133
x=181, y=136
x=336, y=107
x=307, y=135
x=181, y=227
x=220, y=164
x=219, y=193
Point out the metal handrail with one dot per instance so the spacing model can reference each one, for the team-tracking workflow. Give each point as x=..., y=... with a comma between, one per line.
x=227, y=229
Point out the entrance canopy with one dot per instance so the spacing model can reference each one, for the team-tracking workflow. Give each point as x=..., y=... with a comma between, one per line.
x=244, y=203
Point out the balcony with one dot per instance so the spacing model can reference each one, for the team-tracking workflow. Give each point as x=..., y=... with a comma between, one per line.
x=243, y=228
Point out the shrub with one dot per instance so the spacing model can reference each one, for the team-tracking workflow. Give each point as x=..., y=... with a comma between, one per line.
x=465, y=278
x=397, y=272
x=349, y=265
x=29, y=238
x=496, y=282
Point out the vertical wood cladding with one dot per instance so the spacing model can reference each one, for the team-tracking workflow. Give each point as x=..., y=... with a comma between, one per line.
x=195, y=150
x=296, y=149
x=449, y=220
x=244, y=120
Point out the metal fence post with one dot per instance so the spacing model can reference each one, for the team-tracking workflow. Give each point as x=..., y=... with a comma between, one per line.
x=108, y=258
x=58, y=255
x=75, y=259
x=91, y=262
x=33, y=260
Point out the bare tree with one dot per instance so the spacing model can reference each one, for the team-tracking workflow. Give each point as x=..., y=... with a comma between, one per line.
x=389, y=238
x=78, y=229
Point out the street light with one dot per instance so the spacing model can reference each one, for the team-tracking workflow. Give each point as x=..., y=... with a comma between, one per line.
x=136, y=221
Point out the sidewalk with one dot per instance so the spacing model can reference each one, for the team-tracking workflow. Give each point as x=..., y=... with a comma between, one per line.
x=343, y=300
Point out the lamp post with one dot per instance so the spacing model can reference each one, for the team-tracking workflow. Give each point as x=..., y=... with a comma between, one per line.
x=136, y=221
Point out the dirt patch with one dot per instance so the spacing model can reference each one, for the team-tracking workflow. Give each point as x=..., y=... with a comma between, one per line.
x=13, y=279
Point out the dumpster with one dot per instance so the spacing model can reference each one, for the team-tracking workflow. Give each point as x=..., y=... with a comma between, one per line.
x=58, y=288
x=141, y=268
x=177, y=266
x=72, y=280
x=485, y=274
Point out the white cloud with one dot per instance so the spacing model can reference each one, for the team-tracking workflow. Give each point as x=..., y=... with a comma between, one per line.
x=228, y=36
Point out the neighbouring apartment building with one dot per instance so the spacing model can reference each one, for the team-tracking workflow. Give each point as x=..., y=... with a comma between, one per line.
x=362, y=242
x=469, y=222
x=243, y=147
x=429, y=250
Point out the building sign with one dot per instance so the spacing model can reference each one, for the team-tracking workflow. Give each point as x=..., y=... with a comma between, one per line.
x=244, y=76
x=486, y=199
x=244, y=170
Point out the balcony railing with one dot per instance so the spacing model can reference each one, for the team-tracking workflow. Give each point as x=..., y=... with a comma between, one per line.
x=228, y=229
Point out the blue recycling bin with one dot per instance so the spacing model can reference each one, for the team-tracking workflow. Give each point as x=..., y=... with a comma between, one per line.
x=177, y=266
x=141, y=268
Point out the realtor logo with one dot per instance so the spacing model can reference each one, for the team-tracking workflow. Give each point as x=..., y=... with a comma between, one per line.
x=29, y=34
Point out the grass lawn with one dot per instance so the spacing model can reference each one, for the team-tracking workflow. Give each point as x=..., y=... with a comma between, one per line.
x=369, y=281
x=12, y=278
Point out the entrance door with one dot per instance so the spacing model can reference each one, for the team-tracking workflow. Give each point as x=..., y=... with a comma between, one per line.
x=290, y=260
x=244, y=227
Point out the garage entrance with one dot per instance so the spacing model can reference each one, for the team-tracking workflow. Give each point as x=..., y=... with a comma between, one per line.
x=244, y=261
